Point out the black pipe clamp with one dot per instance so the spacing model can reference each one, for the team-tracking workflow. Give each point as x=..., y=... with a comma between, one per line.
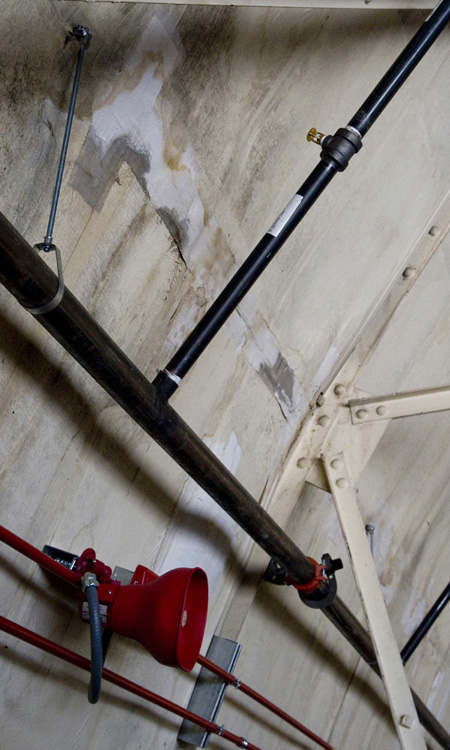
x=317, y=593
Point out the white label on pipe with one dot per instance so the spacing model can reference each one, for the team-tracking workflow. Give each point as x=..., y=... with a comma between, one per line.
x=285, y=215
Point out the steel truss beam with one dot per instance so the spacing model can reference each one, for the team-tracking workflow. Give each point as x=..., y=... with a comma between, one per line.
x=393, y=674
x=394, y=405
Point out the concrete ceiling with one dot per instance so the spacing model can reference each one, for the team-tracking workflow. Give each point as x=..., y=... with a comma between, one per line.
x=188, y=140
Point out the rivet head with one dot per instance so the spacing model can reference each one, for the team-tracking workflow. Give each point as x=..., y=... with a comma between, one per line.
x=339, y=389
x=381, y=411
x=342, y=483
x=362, y=413
x=324, y=420
x=434, y=230
x=302, y=463
x=336, y=463
x=408, y=272
x=406, y=721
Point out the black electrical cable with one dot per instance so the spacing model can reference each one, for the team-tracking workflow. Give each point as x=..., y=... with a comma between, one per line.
x=421, y=631
x=95, y=623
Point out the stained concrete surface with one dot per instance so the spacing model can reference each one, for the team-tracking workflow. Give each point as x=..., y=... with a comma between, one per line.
x=188, y=140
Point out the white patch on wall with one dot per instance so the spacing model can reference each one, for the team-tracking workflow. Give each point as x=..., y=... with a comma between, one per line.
x=200, y=532
x=133, y=113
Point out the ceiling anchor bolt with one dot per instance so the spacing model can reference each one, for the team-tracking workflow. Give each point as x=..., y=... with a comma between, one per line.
x=82, y=35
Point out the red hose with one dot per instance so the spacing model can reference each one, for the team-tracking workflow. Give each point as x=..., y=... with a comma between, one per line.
x=8, y=626
x=19, y=544
x=232, y=680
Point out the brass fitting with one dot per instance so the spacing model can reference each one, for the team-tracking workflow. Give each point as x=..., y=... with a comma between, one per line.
x=315, y=136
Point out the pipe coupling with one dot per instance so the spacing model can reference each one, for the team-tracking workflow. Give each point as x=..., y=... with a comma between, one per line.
x=339, y=148
x=88, y=579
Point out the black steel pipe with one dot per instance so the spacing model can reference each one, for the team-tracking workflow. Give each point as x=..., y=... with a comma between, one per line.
x=32, y=282
x=168, y=379
x=401, y=68
x=422, y=629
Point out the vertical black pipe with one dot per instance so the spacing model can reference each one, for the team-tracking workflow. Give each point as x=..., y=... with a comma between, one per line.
x=421, y=631
x=32, y=282
x=168, y=379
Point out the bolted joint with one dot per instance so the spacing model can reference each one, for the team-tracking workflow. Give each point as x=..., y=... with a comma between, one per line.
x=339, y=148
x=81, y=34
x=45, y=246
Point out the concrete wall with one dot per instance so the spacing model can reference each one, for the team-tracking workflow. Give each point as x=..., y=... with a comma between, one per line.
x=188, y=140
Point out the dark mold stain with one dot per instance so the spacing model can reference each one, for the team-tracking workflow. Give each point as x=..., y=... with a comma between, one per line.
x=207, y=39
x=280, y=379
x=177, y=226
x=94, y=172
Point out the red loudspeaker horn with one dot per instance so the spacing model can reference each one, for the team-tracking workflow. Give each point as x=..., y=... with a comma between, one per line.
x=167, y=616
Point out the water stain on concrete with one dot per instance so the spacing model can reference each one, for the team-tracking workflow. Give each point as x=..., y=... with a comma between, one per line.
x=178, y=226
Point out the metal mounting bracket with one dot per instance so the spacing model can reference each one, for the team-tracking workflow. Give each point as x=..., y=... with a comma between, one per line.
x=209, y=690
x=329, y=430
